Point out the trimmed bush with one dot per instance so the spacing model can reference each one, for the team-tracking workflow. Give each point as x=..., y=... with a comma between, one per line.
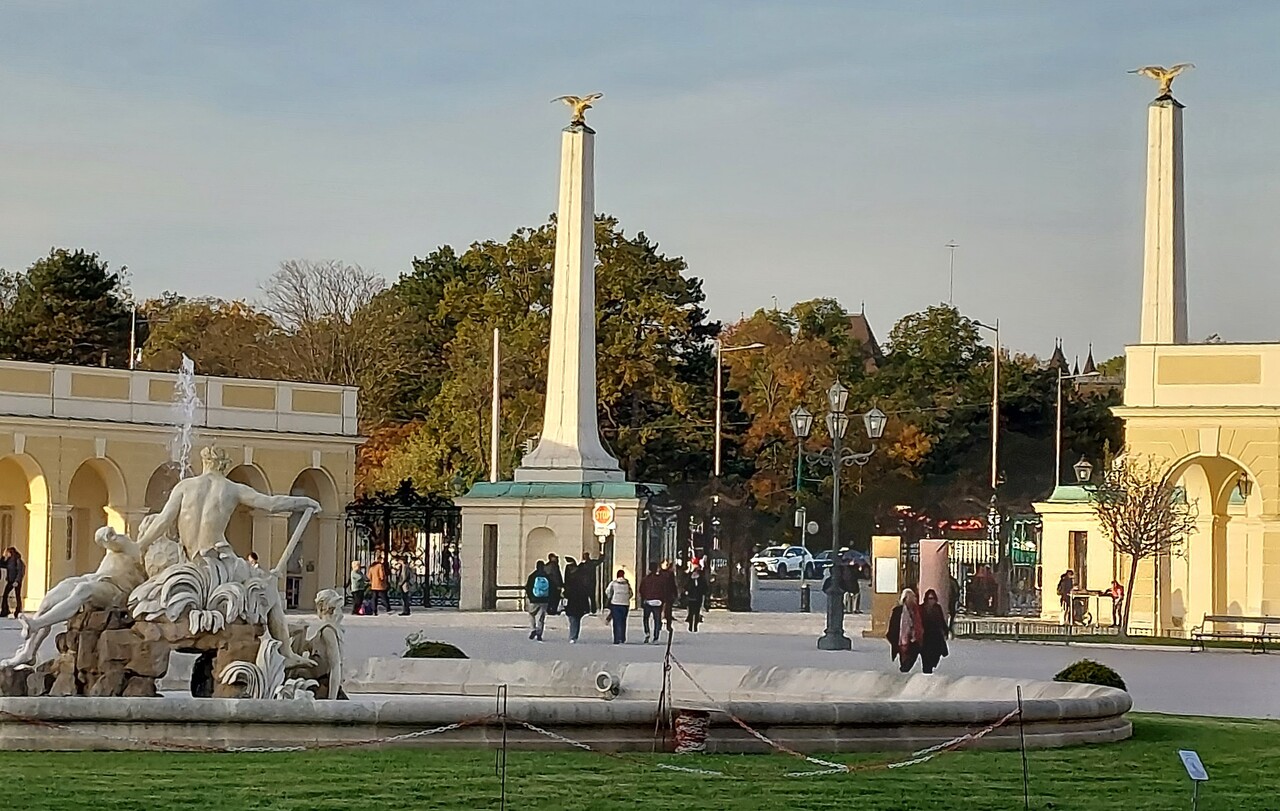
x=1087, y=671
x=417, y=646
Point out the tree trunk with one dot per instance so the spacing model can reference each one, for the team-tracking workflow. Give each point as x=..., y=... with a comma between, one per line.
x=1128, y=595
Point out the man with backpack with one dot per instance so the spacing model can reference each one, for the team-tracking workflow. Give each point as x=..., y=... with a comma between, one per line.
x=537, y=592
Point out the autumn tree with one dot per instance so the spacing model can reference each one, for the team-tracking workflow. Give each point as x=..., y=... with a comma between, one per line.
x=1144, y=513
x=222, y=338
x=318, y=306
x=68, y=307
x=652, y=356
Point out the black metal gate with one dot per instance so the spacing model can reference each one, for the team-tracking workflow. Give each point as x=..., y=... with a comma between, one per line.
x=422, y=531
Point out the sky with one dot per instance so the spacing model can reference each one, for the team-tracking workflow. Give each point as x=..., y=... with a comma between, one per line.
x=787, y=150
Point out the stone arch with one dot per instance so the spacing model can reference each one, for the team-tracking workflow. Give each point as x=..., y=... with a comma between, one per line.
x=24, y=515
x=160, y=485
x=247, y=529
x=96, y=497
x=316, y=552
x=540, y=542
x=1211, y=576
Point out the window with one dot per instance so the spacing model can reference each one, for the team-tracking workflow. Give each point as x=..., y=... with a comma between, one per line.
x=6, y=527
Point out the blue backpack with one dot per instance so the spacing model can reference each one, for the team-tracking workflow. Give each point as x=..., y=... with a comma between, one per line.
x=541, y=587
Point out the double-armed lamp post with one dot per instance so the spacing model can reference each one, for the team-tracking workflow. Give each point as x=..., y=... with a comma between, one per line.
x=835, y=457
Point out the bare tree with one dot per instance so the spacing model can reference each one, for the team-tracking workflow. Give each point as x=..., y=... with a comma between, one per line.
x=318, y=304
x=1143, y=513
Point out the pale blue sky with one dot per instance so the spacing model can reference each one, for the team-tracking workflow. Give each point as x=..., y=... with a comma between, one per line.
x=785, y=149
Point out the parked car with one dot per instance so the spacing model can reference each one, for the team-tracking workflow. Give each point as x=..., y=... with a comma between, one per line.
x=822, y=560
x=783, y=561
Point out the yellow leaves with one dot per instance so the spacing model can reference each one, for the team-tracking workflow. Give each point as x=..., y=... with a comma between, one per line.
x=912, y=446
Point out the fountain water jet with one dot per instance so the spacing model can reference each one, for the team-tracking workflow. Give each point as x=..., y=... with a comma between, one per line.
x=186, y=403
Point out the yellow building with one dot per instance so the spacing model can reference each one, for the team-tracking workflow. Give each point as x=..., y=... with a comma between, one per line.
x=84, y=447
x=1211, y=412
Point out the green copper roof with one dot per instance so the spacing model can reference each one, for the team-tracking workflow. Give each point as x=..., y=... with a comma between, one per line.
x=591, y=490
x=1068, y=494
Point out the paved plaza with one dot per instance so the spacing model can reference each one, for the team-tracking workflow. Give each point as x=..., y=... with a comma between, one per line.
x=1225, y=683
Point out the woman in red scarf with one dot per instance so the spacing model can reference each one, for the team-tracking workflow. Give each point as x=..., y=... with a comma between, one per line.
x=906, y=631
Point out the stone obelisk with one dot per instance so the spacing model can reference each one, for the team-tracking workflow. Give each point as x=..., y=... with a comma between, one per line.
x=1164, y=270
x=569, y=449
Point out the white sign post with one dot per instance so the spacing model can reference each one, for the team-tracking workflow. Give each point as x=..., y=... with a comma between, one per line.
x=1195, y=770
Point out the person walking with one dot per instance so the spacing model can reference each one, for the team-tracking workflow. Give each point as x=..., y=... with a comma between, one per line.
x=537, y=588
x=953, y=604
x=378, y=583
x=556, y=579
x=933, y=645
x=906, y=631
x=1066, y=585
x=668, y=592
x=587, y=570
x=1117, y=603
x=15, y=571
x=695, y=597
x=404, y=583
x=651, y=602
x=618, y=597
x=359, y=586
x=576, y=604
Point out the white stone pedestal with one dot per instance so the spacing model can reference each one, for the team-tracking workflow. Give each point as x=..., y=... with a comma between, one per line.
x=507, y=527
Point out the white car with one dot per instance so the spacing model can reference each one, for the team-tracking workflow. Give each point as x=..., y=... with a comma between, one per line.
x=783, y=561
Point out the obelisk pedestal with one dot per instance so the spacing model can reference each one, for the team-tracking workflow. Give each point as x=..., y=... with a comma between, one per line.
x=1164, y=271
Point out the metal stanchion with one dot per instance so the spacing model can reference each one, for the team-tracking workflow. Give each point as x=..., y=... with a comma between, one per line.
x=805, y=599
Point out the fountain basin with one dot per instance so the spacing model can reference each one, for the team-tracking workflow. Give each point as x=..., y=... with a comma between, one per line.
x=806, y=709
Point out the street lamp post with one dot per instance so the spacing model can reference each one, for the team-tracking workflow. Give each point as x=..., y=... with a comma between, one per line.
x=995, y=404
x=721, y=351
x=1057, y=436
x=836, y=457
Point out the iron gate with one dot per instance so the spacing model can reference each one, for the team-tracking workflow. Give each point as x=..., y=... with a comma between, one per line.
x=422, y=530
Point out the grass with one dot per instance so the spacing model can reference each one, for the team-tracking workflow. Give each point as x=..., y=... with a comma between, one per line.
x=1142, y=774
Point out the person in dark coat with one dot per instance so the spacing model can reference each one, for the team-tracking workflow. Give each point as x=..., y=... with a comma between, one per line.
x=934, y=644
x=695, y=597
x=668, y=592
x=577, y=603
x=906, y=631
x=587, y=571
x=557, y=583
x=15, y=571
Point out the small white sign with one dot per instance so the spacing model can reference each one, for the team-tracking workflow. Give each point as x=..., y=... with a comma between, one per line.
x=886, y=575
x=1195, y=769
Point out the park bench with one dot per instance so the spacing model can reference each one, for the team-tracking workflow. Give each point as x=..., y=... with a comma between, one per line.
x=1257, y=630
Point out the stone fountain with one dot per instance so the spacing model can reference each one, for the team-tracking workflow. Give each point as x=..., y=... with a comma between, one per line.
x=181, y=587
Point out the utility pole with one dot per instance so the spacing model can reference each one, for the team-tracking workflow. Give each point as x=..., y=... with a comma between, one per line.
x=951, y=273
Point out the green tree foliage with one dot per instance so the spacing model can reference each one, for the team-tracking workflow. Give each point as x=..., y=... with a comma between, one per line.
x=68, y=307
x=653, y=358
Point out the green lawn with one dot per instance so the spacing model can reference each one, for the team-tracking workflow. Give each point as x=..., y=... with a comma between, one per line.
x=1242, y=758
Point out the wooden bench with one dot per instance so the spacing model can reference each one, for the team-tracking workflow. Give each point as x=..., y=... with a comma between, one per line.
x=1257, y=630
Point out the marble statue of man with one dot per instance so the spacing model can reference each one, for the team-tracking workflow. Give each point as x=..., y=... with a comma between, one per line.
x=197, y=514
x=200, y=508
x=108, y=587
